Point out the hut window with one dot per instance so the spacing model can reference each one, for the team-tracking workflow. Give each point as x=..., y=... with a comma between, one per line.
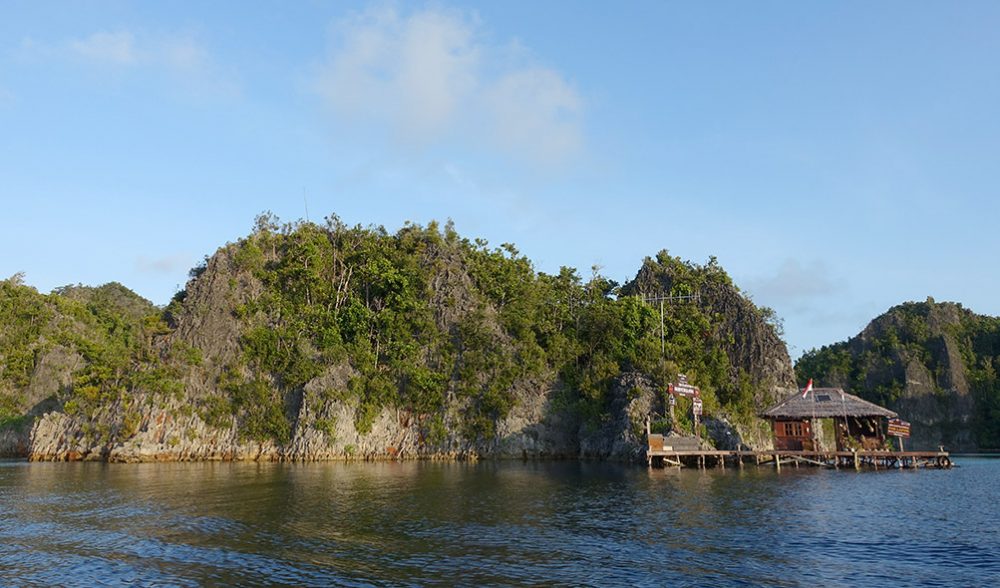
x=793, y=430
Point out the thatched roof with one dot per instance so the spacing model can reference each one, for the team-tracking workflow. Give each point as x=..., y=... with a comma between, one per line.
x=825, y=403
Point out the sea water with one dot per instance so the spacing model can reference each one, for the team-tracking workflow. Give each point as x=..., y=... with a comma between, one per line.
x=495, y=523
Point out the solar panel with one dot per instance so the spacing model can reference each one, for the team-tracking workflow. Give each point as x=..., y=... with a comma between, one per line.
x=823, y=398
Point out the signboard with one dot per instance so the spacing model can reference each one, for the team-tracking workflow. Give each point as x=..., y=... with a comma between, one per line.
x=899, y=428
x=682, y=379
x=672, y=400
x=684, y=390
x=696, y=406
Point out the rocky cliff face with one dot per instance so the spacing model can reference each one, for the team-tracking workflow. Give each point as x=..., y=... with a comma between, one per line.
x=310, y=343
x=324, y=425
x=51, y=345
x=758, y=370
x=753, y=346
x=933, y=363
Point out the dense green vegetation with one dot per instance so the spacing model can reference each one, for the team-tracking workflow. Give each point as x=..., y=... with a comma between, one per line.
x=424, y=316
x=448, y=329
x=982, y=359
x=874, y=364
x=444, y=329
x=103, y=335
x=867, y=368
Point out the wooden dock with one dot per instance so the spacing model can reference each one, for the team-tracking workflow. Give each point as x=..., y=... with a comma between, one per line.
x=877, y=460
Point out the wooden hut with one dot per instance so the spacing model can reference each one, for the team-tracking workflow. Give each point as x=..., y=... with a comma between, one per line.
x=827, y=419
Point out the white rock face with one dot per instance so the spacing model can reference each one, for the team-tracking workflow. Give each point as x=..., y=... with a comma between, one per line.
x=168, y=433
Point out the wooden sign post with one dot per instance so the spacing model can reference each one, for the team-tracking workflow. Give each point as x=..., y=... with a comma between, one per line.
x=683, y=388
x=899, y=429
x=696, y=411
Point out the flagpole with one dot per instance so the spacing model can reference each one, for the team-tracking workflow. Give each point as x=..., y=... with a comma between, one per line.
x=843, y=404
x=812, y=425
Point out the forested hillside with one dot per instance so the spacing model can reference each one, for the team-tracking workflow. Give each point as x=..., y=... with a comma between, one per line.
x=308, y=341
x=933, y=363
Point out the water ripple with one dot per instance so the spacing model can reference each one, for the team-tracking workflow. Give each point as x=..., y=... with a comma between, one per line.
x=557, y=524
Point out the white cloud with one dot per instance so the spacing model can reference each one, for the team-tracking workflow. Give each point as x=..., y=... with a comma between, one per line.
x=520, y=213
x=794, y=284
x=187, y=61
x=183, y=53
x=415, y=71
x=433, y=76
x=163, y=265
x=549, y=127
x=117, y=48
x=179, y=52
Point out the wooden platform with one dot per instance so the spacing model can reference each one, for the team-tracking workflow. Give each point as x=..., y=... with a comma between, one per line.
x=780, y=458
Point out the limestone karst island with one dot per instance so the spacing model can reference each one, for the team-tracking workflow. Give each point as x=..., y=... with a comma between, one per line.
x=319, y=341
x=465, y=293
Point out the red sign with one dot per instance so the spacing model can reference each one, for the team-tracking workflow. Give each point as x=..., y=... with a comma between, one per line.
x=899, y=428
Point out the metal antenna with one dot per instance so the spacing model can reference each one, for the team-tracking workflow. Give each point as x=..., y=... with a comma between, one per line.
x=306, y=203
x=651, y=299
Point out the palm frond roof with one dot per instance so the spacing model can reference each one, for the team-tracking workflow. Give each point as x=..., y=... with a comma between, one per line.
x=825, y=403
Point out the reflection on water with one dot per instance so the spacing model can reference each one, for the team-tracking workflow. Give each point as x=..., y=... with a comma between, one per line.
x=553, y=523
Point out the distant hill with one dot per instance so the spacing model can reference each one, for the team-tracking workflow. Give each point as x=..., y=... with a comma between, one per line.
x=307, y=341
x=935, y=363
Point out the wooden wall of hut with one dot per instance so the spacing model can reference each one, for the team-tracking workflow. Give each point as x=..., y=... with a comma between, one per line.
x=793, y=434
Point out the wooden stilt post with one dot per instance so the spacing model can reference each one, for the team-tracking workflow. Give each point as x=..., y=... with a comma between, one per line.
x=649, y=455
x=777, y=461
x=857, y=460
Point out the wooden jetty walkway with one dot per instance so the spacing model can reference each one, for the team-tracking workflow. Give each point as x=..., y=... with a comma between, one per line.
x=885, y=460
x=800, y=423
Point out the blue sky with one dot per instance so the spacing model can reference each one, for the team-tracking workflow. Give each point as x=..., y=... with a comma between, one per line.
x=837, y=158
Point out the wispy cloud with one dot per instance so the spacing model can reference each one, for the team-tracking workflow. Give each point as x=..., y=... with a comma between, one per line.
x=117, y=48
x=184, y=53
x=182, y=56
x=434, y=75
x=794, y=284
x=520, y=213
x=536, y=110
x=167, y=264
x=811, y=297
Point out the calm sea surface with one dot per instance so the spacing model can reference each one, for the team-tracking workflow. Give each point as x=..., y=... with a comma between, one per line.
x=553, y=523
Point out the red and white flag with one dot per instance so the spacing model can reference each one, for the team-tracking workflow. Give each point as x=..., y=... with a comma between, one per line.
x=808, y=388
